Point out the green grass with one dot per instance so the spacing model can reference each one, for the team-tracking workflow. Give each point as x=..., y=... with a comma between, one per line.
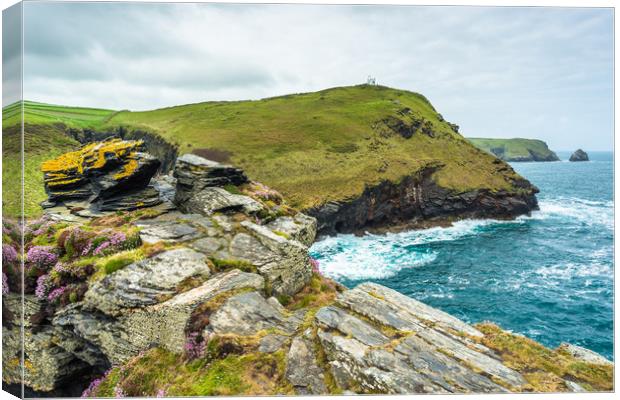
x=48, y=114
x=42, y=143
x=515, y=149
x=247, y=374
x=545, y=369
x=312, y=147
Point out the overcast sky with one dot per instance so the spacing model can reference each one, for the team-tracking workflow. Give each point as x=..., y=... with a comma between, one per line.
x=497, y=72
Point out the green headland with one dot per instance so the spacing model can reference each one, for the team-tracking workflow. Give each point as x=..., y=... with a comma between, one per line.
x=516, y=149
x=312, y=147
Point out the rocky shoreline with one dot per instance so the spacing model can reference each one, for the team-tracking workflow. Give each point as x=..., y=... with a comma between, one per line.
x=418, y=202
x=218, y=276
x=415, y=202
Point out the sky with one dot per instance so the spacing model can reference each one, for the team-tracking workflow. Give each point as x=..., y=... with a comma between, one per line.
x=533, y=72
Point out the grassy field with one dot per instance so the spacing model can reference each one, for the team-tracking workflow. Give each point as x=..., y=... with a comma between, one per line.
x=515, y=149
x=312, y=147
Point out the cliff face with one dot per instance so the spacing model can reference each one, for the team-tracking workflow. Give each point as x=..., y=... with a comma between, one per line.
x=220, y=297
x=314, y=148
x=418, y=201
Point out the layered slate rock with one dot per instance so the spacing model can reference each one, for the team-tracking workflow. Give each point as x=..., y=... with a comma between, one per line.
x=284, y=263
x=162, y=324
x=302, y=368
x=195, y=173
x=248, y=314
x=299, y=227
x=584, y=354
x=377, y=340
x=109, y=175
x=147, y=282
x=213, y=199
x=579, y=155
x=47, y=364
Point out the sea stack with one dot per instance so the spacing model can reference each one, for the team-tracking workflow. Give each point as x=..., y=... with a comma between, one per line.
x=579, y=155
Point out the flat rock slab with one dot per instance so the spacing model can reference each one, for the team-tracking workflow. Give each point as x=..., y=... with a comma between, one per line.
x=584, y=354
x=272, y=343
x=432, y=352
x=153, y=231
x=338, y=319
x=212, y=199
x=146, y=282
x=209, y=245
x=249, y=313
x=302, y=369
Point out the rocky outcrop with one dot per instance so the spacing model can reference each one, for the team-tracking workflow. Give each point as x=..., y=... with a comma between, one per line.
x=147, y=282
x=106, y=176
x=194, y=174
x=226, y=274
x=584, y=354
x=579, y=155
x=418, y=201
x=154, y=144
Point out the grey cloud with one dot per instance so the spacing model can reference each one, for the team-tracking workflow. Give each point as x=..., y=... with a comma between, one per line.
x=488, y=69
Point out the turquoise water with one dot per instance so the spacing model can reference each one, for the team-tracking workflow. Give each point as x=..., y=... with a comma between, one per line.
x=548, y=276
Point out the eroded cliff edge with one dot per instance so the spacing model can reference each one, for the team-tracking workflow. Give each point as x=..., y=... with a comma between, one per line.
x=220, y=297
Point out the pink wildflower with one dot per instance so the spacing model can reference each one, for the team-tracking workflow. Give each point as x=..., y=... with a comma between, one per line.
x=9, y=254
x=119, y=392
x=99, y=250
x=61, y=267
x=161, y=393
x=90, y=390
x=43, y=286
x=315, y=265
x=41, y=256
x=194, y=348
x=117, y=239
x=87, y=249
x=56, y=293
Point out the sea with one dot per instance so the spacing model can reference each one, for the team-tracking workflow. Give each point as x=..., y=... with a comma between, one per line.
x=548, y=276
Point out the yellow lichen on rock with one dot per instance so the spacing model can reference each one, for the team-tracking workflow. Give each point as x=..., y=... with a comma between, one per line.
x=127, y=170
x=91, y=156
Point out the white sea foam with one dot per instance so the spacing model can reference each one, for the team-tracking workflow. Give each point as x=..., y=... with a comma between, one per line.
x=382, y=256
x=572, y=270
x=586, y=212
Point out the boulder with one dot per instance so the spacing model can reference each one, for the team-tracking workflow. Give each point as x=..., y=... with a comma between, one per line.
x=579, y=155
x=213, y=199
x=284, y=263
x=194, y=173
x=103, y=173
x=584, y=354
x=272, y=342
x=300, y=227
x=163, y=324
x=302, y=369
x=247, y=314
x=46, y=365
x=146, y=282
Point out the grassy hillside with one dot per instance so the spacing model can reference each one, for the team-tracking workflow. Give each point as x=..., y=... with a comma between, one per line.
x=516, y=149
x=312, y=147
